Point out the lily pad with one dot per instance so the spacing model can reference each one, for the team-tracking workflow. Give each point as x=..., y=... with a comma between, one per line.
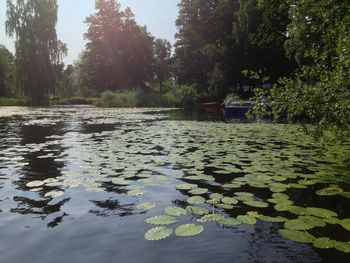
x=189, y=230
x=276, y=219
x=323, y=242
x=161, y=220
x=320, y=212
x=54, y=194
x=146, y=206
x=212, y=217
x=185, y=186
x=346, y=224
x=35, y=184
x=158, y=233
x=224, y=206
x=216, y=196
x=342, y=246
x=247, y=219
x=197, y=210
x=304, y=223
x=195, y=200
x=229, y=221
x=298, y=236
x=137, y=192
x=198, y=191
x=256, y=204
x=329, y=191
x=229, y=200
x=175, y=211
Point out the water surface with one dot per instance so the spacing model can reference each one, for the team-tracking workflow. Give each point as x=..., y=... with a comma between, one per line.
x=88, y=160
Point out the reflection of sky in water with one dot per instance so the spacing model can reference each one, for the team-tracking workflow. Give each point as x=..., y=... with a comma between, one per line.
x=99, y=157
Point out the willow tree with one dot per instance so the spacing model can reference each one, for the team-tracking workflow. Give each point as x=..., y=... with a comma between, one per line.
x=38, y=51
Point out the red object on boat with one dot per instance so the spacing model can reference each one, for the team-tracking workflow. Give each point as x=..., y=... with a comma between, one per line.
x=209, y=105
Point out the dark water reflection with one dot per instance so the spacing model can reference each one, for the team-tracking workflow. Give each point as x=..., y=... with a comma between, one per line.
x=80, y=152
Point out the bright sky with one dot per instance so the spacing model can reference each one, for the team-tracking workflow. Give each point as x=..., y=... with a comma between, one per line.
x=158, y=15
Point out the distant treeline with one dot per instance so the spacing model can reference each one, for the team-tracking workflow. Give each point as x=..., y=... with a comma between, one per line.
x=294, y=54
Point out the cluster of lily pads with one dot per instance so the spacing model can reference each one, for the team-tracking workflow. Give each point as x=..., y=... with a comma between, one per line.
x=219, y=169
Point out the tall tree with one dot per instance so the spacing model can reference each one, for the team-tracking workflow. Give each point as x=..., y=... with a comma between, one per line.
x=38, y=51
x=6, y=72
x=162, y=55
x=119, y=52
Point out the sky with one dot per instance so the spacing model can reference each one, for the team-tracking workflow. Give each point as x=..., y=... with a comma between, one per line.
x=158, y=15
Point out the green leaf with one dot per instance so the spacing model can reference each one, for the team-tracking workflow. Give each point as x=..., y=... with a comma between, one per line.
x=212, y=217
x=197, y=210
x=323, y=242
x=320, y=212
x=298, y=236
x=304, y=223
x=195, y=200
x=346, y=224
x=198, y=191
x=229, y=221
x=332, y=190
x=256, y=204
x=246, y=219
x=146, y=206
x=216, y=196
x=158, y=233
x=161, y=220
x=137, y=192
x=175, y=211
x=342, y=246
x=189, y=230
x=185, y=186
x=273, y=219
x=229, y=200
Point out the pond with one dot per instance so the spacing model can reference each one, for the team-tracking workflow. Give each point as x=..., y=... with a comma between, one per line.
x=82, y=184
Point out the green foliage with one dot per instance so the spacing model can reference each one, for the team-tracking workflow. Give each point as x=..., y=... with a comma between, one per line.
x=38, y=51
x=12, y=101
x=7, y=76
x=119, y=52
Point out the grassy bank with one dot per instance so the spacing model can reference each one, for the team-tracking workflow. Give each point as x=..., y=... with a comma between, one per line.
x=12, y=101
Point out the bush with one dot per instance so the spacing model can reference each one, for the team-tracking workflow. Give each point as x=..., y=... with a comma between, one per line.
x=12, y=101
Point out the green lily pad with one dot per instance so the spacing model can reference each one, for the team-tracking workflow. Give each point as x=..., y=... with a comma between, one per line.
x=146, y=206
x=320, y=212
x=284, y=206
x=229, y=221
x=332, y=220
x=256, y=204
x=298, y=210
x=175, y=211
x=246, y=194
x=229, y=201
x=224, y=206
x=161, y=220
x=332, y=190
x=323, y=242
x=298, y=236
x=158, y=233
x=195, y=200
x=35, y=184
x=212, y=217
x=280, y=196
x=189, y=230
x=185, y=186
x=198, y=191
x=120, y=181
x=216, y=196
x=276, y=219
x=346, y=224
x=304, y=223
x=197, y=210
x=247, y=219
x=137, y=192
x=342, y=246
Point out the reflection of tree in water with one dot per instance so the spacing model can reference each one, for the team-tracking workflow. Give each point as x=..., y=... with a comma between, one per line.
x=42, y=208
x=112, y=207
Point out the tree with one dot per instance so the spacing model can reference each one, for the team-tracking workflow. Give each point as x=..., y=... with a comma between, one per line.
x=119, y=52
x=38, y=50
x=6, y=72
x=162, y=56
